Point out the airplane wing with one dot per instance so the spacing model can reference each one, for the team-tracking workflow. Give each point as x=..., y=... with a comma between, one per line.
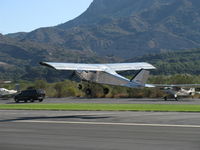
x=99, y=67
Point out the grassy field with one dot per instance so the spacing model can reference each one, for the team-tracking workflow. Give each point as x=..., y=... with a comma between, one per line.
x=103, y=107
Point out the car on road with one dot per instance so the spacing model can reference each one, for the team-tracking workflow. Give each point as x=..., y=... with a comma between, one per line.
x=30, y=95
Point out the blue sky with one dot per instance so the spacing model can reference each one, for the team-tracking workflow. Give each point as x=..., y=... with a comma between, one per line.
x=27, y=15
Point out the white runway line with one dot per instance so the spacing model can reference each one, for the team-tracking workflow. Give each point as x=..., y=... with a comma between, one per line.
x=108, y=123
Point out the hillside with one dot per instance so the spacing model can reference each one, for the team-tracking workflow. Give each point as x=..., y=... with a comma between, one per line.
x=20, y=59
x=126, y=28
x=179, y=62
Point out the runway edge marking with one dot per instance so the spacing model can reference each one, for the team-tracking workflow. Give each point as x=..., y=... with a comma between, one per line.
x=107, y=123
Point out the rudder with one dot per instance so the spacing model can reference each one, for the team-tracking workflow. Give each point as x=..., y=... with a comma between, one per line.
x=141, y=77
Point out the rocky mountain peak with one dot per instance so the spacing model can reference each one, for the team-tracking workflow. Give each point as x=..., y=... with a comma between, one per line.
x=126, y=28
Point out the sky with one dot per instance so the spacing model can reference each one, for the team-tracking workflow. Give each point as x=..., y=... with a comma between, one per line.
x=27, y=15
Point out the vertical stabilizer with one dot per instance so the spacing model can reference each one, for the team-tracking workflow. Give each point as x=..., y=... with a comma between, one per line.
x=141, y=76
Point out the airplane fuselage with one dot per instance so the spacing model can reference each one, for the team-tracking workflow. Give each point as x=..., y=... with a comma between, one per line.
x=179, y=91
x=106, y=78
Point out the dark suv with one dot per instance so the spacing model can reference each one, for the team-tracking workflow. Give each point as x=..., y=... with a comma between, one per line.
x=30, y=95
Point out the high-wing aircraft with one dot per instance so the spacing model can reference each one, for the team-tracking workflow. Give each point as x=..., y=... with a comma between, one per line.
x=178, y=90
x=5, y=93
x=107, y=74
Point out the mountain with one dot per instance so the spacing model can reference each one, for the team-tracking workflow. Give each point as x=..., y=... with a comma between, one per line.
x=126, y=28
x=108, y=31
x=20, y=59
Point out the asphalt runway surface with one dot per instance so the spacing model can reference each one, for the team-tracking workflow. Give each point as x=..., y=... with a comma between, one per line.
x=98, y=130
x=112, y=100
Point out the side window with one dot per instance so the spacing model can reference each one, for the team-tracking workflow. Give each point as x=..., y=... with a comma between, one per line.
x=32, y=92
x=25, y=93
x=28, y=93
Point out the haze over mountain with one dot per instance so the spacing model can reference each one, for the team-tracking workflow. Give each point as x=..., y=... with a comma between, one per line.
x=114, y=29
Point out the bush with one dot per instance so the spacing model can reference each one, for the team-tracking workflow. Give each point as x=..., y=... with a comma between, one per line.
x=41, y=84
x=69, y=88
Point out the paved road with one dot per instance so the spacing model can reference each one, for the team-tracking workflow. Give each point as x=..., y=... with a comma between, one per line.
x=98, y=130
x=113, y=100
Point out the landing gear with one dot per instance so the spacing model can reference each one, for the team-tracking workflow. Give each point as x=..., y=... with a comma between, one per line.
x=16, y=100
x=93, y=90
x=80, y=86
x=175, y=97
x=40, y=100
x=86, y=88
x=105, y=91
x=165, y=98
x=88, y=91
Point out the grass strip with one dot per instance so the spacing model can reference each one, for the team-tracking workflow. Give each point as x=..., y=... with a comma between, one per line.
x=103, y=107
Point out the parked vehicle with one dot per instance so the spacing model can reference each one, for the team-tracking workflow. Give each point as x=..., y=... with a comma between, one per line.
x=30, y=95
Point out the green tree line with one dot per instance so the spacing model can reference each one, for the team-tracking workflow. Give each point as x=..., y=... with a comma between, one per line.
x=70, y=88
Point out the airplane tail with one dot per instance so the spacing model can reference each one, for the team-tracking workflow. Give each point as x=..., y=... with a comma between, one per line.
x=17, y=87
x=141, y=76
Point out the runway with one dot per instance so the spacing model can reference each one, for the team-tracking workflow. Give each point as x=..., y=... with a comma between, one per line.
x=98, y=130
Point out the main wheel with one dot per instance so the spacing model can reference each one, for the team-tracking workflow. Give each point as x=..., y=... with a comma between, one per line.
x=165, y=98
x=105, y=91
x=176, y=97
x=16, y=100
x=32, y=100
x=88, y=91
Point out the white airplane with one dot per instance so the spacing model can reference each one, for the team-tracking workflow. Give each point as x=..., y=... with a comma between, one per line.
x=179, y=90
x=5, y=93
x=107, y=74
